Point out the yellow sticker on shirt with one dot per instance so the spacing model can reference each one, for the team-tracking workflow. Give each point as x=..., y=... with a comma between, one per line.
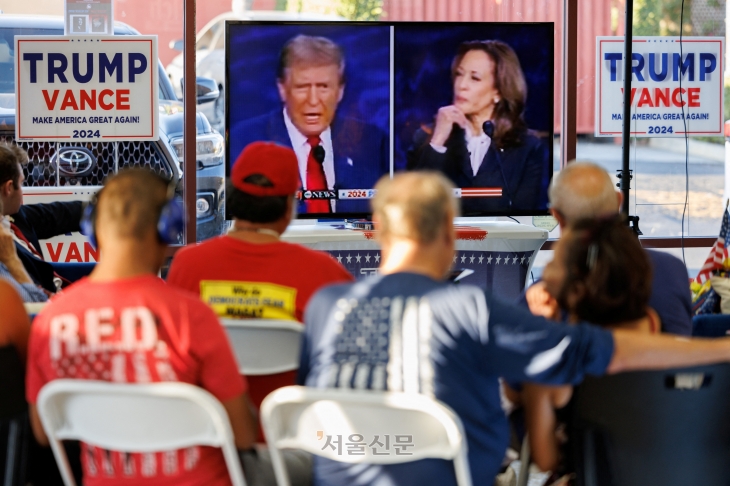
x=257, y=300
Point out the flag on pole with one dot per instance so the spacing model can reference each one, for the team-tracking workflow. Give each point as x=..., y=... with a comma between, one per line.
x=705, y=300
x=717, y=259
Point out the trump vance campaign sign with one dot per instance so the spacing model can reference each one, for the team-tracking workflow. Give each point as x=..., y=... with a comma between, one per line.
x=676, y=89
x=91, y=88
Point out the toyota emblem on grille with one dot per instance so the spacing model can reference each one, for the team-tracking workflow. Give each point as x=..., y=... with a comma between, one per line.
x=74, y=161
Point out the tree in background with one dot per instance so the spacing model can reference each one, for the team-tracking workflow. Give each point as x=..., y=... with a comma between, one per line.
x=361, y=9
x=661, y=17
x=701, y=17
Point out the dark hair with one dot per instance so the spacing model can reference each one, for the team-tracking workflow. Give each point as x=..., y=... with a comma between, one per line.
x=605, y=260
x=10, y=157
x=312, y=51
x=256, y=209
x=509, y=80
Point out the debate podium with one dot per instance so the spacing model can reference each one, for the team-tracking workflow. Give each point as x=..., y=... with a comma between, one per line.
x=500, y=253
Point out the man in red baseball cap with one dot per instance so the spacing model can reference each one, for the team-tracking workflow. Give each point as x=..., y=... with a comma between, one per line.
x=277, y=278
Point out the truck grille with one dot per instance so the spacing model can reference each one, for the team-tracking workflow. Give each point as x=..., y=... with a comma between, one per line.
x=41, y=168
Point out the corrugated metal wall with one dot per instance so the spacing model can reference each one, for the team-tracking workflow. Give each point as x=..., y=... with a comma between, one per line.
x=594, y=18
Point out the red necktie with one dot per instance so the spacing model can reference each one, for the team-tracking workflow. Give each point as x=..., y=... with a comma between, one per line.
x=316, y=180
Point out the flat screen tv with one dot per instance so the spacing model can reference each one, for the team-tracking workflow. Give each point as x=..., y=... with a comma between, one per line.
x=359, y=101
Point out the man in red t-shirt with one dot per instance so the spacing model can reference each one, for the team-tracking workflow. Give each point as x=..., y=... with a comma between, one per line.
x=123, y=324
x=250, y=273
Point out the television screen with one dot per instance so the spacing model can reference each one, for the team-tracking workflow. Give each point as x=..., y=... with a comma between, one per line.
x=357, y=101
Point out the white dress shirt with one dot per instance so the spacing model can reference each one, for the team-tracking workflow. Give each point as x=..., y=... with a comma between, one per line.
x=302, y=148
x=476, y=145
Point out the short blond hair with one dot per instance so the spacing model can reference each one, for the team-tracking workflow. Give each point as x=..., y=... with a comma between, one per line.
x=131, y=202
x=414, y=205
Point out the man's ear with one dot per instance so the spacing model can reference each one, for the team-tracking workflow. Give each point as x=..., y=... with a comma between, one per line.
x=378, y=228
x=282, y=90
x=619, y=199
x=291, y=208
x=6, y=188
x=559, y=217
x=450, y=232
x=655, y=322
x=342, y=93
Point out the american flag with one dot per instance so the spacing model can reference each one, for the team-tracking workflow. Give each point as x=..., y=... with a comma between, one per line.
x=718, y=253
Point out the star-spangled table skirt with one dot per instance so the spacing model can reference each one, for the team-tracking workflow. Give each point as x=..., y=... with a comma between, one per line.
x=504, y=273
x=500, y=254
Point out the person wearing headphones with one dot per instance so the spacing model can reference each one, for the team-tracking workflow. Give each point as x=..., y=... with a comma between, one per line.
x=123, y=324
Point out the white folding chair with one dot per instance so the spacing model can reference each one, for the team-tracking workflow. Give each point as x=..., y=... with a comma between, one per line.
x=296, y=417
x=34, y=308
x=264, y=346
x=525, y=459
x=135, y=418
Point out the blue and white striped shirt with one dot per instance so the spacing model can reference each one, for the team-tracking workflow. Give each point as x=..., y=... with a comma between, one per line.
x=29, y=292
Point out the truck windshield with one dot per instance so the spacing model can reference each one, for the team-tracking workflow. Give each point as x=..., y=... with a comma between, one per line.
x=7, y=53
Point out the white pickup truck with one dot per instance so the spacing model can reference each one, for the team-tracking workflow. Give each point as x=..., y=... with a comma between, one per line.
x=60, y=171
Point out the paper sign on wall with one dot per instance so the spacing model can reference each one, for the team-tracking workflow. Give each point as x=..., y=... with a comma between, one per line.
x=91, y=88
x=676, y=89
x=88, y=17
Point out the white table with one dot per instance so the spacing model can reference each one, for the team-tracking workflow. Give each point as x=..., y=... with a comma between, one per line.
x=500, y=253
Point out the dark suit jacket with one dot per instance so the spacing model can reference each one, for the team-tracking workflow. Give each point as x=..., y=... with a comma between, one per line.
x=523, y=171
x=361, y=151
x=40, y=222
x=670, y=295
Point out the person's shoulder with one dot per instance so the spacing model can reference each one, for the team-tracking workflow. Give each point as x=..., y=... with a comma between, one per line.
x=328, y=295
x=256, y=124
x=23, y=214
x=318, y=255
x=166, y=295
x=458, y=296
x=192, y=252
x=257, y=120
x=663, y=258
x=349, y=125
x=8, y=294
x=530, y=139
x=72, y=297
x=190, y=300
x=311, y=258
x=664, y=264
x=5, y=285
x=262, y=127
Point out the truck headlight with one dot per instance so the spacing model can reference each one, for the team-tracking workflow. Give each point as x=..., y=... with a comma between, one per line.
x=209, y=150
x=204, y=205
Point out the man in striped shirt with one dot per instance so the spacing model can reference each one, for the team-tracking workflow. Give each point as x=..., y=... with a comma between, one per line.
x=12, y=269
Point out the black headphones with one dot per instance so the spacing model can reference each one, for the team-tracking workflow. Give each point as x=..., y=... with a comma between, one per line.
x=169, y=226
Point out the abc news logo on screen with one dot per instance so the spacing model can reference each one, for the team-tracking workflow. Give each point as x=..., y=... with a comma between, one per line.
x=313, y=195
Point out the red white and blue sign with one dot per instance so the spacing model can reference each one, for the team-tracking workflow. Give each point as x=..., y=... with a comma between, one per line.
x=86, y=88
x=676, y=86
